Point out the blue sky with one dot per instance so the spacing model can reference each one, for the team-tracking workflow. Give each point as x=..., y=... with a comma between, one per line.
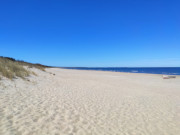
x=124, y=33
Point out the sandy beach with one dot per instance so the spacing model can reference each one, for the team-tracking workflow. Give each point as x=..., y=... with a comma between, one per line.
x=75, y=102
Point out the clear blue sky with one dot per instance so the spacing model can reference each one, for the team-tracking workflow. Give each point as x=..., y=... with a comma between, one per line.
x=91, y=32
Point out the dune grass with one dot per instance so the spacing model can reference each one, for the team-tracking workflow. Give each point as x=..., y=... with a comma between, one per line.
x=11, y=68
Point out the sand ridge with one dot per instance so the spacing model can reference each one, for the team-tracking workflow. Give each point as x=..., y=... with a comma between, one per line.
x=75, y=102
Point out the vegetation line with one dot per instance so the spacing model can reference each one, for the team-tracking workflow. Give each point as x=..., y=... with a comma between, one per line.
x=11, y=68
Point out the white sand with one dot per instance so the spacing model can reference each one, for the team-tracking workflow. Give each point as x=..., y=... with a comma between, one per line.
x=75, y=102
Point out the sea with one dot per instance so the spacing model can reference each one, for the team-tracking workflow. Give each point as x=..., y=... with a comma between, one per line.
x=147, y=70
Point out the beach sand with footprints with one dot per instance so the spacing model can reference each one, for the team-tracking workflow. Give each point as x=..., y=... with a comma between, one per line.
x=75, y=102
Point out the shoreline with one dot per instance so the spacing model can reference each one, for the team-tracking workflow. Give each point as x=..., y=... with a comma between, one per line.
x=118, y=72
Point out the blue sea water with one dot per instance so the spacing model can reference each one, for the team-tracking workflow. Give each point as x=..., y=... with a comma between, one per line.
x=148, y=70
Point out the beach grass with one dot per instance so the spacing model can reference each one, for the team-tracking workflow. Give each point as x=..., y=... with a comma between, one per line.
x=11, y=68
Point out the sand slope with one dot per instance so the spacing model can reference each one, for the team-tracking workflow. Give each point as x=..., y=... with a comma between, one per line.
x=77, y=102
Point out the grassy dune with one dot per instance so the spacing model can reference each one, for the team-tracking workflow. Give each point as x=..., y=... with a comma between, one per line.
x=11, y=68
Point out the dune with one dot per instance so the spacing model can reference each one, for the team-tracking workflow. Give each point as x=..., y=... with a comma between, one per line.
x=75, y=102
